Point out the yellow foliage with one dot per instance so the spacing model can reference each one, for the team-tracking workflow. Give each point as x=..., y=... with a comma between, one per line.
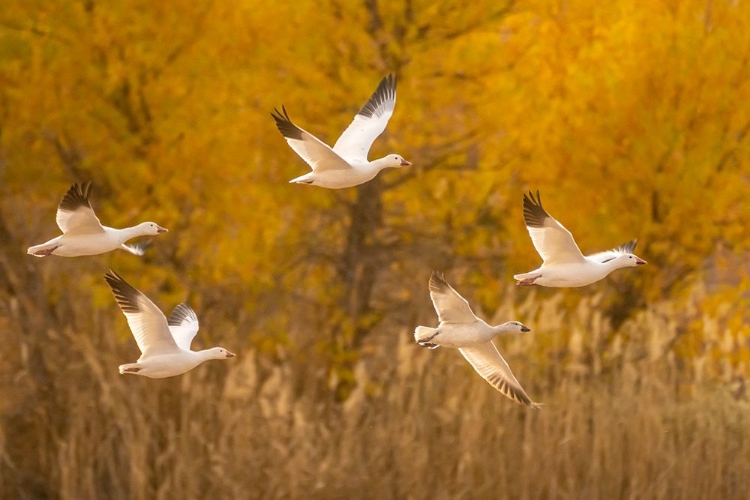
x=631, y=118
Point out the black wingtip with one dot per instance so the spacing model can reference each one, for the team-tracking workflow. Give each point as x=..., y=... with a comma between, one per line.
x=77, y=196
x=285, y=125
x=390, y=81
x=533, y=212
x=438, y=282
x=628, y=247
x=125, y=295
x=625, y=247
x=181, y=312
x=386, y=91
x=508, y=390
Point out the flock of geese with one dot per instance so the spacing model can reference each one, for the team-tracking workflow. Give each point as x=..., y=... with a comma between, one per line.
x=165, y=343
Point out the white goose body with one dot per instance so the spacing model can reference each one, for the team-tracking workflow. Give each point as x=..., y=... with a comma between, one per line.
x=345, y=165
x=458, y=335
x=359, y=173
x=569, y=275
x=168, y=365
x=83, y=234
x=164, y=344
x=460, y=329
x=564, y=265
x=79, y=245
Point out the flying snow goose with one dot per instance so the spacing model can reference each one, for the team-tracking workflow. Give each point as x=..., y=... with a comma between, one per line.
x=564, y=265
x=83, y=234
x=345, y=165
x=164, y=345
x=459, y=328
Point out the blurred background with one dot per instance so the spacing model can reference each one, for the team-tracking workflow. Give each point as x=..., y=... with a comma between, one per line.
x=630, y=117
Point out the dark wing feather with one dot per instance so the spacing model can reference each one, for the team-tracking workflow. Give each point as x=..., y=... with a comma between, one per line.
x=385, y=92
x=125, y=294
x=77, y=196
x=315, y=152
x=534, y=214
x=285, y=125
x=552, y=240
x=74, y=213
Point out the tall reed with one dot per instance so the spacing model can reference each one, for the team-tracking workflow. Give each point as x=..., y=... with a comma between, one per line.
x=624, y=418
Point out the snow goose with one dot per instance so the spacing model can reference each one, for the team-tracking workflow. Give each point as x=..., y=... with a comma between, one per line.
x=345, y=165
x=83, y=234
x=164, y=345
x=461, y=329
x=564, y=265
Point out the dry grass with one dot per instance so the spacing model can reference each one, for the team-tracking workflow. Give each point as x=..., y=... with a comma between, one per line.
x=623, y=419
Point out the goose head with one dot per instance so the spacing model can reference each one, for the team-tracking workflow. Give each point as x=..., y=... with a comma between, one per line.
x=393, y=161
x=150, y=229
x=218, y=353
x=627, y=260
x=514, y=327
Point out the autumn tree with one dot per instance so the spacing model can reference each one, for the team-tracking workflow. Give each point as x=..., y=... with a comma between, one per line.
x=631, y=120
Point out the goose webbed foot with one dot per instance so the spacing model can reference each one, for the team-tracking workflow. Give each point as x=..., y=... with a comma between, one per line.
x=46, y=252
x=528, y=281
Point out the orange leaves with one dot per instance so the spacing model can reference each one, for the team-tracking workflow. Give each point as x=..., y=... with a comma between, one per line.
x=631, y=117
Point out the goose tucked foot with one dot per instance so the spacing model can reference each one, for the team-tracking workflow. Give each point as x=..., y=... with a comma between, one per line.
x=423, y=335
x=528, y=281
x=46, y=252
x=425, y=341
